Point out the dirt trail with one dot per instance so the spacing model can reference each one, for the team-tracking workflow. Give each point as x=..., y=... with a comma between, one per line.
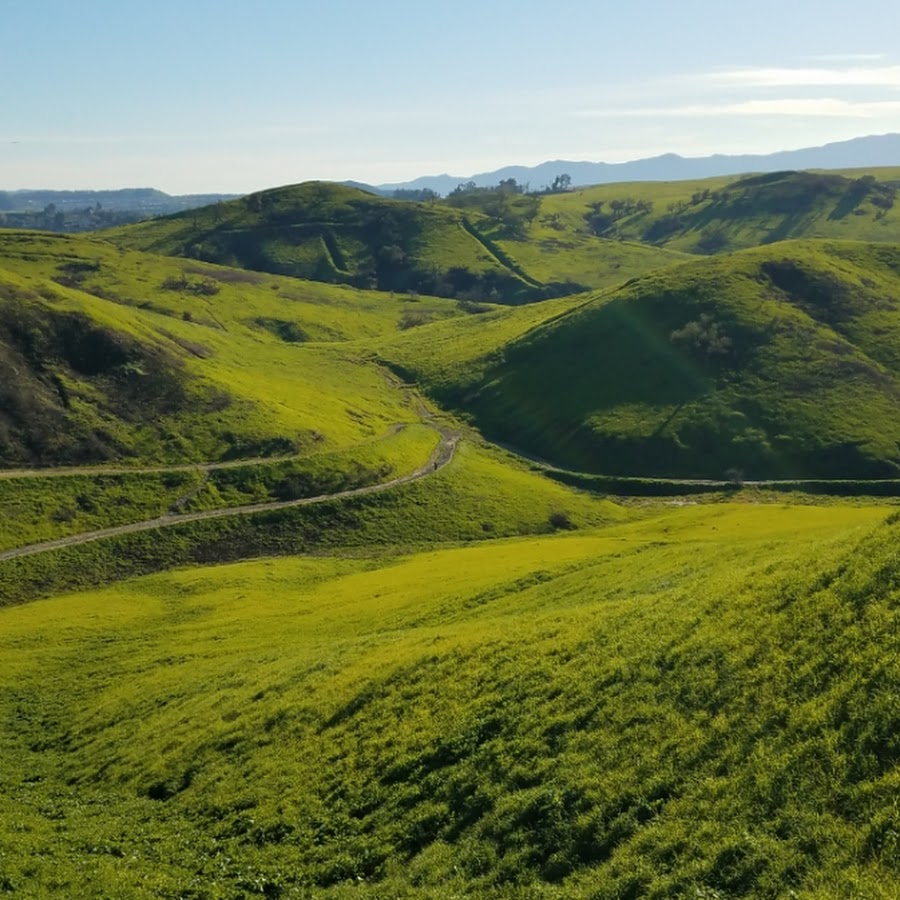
x=498, y=255
x=441, y=456
x=69, y=471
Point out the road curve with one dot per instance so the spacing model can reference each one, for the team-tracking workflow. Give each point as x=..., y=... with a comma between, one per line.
x=441, y=456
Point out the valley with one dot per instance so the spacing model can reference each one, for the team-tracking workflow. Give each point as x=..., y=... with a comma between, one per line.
x=510, y=546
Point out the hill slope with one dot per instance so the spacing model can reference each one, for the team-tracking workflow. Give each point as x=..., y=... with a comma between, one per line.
x=497, y=244
x=106, y=355
x=722, y=214
x=333, y=233
x=778, y=361
x=327, y=232
x=698, y=705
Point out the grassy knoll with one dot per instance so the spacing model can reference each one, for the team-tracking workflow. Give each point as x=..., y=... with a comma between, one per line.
x=112, y=355
x=481, y=248
x=372, y=462
x=779, y=361
x=328, y=232
x=480, y=495
x=730, y=213
x=702, y=704
x=331, y=233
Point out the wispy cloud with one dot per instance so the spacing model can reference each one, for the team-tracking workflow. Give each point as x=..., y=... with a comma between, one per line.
x=852, y=76
x=848, y=57
x=818, y=107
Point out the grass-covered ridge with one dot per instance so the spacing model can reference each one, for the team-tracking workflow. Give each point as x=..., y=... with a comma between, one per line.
x=722, y=214
x=513, y=248
x=331, y=233
x=696, y=704
x=779, y=361
x=124, y=355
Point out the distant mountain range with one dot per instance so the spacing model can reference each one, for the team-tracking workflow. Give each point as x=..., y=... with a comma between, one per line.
x=863, y=152
x=147, y=201
x=140, y=203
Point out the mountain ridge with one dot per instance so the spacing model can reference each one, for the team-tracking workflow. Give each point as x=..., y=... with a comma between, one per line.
x=861, y=152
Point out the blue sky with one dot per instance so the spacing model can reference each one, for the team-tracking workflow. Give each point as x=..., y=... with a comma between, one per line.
x=194, y=96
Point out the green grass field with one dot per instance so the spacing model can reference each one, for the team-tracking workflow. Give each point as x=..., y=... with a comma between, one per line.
x=698, y=703
x=43, y=509
x=483, y=494
x=715, y=215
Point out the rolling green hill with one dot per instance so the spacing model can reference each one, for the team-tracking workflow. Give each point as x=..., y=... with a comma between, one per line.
x=524, y=248
x=328, y=232
x=779, y=361
x=697, y=704
x=123, y=355
x=721, y=214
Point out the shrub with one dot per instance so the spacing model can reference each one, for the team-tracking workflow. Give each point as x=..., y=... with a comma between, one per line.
x=560, y=521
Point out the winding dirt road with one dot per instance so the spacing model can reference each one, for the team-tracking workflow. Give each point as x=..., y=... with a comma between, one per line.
x=441, y=456
x=68, y=471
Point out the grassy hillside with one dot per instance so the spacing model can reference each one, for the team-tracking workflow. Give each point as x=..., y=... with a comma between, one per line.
x=700, y=704
x=457, y=351
x=123, y=355
x=77, y=389
x=332, y=233
x=779, y=361
x=478, y=683
x=491, y=245
x=720, y=214
x=328, y=232
x=482, y=494
x=41, y=507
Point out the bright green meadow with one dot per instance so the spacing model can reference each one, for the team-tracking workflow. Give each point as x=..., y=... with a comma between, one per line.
x=698, y=703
